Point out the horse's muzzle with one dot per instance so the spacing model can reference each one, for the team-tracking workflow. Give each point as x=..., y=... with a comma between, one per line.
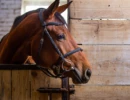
x=81, y=79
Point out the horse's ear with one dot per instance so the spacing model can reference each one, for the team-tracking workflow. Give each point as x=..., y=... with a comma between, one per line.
x=62, y=8
x=52, y=8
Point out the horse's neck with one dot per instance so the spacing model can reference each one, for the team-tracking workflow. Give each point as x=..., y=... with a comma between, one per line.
x=14, y=55
x=22, y=53
x=11, y=45
x=2, y=48
x=16, y=38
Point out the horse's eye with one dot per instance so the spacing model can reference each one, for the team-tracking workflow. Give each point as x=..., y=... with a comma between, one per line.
x=61, y=37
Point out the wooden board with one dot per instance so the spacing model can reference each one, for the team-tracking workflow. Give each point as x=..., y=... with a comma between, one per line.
x=101, y=93
x=90, y=9
x=21, y=85
x=100, y=32
x=39, y=79
x=5, y=85
x=110, y=64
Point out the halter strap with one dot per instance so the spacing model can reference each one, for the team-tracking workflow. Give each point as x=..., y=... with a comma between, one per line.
x=72, y=52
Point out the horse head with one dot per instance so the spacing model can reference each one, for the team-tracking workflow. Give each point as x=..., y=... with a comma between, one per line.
x=46, y=37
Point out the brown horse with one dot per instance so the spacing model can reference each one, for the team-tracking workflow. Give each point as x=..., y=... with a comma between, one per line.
x=42, y=37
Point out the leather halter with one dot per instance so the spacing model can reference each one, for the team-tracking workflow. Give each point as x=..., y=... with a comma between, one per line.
x=62, y=57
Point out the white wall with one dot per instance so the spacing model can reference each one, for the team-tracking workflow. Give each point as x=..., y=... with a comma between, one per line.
x=9, y=9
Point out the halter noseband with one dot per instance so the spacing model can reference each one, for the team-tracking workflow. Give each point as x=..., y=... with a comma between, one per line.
x=61, y=56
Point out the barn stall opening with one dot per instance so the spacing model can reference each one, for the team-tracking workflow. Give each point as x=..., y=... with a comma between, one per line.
x=102, y=27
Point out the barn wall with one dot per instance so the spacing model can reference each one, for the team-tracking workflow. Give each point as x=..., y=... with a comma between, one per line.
x=100, y=9
x=95, y=24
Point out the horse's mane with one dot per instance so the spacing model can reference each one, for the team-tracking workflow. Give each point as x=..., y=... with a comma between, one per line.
x=19, y=19
x=22, y=17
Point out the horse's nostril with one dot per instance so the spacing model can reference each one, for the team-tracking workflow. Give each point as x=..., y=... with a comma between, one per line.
x=88, y=73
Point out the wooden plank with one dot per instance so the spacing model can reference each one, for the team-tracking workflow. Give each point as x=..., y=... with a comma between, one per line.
x=100, y=32
x=110, y=64
x=5, y=85
x=38, y=80
x=108, y=56
x=20, y=85
x=97, y=80
x=56, y=83
x=100, y=9
x=18, y=67
x=101, y=93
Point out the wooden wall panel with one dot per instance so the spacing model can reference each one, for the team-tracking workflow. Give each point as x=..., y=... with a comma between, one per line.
x=39, y=79
x=23, y=85
x=100, y=9
x=20, y=85
x=110, y=64
x=5, y=85
x=101, y=93
x=106, y=45
x=101, y=31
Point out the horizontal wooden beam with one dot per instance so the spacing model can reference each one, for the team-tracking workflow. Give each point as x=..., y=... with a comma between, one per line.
x=101, y=31
x=101, y=93
x=18, y=67
x=88, y=9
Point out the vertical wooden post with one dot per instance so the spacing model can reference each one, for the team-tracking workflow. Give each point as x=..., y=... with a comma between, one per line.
x=65, y=84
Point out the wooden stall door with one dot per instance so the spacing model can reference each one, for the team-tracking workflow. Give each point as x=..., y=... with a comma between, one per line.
x=23, y=85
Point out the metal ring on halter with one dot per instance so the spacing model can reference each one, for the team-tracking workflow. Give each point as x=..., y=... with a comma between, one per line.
x=67, y=61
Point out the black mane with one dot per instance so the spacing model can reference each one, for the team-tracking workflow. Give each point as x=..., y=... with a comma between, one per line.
x=22, y=17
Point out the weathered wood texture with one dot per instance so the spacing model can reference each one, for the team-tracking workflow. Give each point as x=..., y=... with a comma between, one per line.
x=20, y=85
x=5, y=85
x=100, y=9
x=101, y=31
x=106, y=45
x=102, y=93
x=23, y=85
x=38, y=79
x=110, y=64
x=111, y=73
